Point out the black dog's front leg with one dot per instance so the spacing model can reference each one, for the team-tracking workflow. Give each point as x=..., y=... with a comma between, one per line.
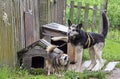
x=78, y=57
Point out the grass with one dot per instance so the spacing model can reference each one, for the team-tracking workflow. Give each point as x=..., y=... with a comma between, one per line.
x=111, y=51
x=7, y=73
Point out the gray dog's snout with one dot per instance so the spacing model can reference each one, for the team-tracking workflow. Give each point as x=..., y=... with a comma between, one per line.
x=65, y=58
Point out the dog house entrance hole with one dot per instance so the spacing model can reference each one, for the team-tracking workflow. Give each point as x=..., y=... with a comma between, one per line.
x=59, y=43
x=38, y=62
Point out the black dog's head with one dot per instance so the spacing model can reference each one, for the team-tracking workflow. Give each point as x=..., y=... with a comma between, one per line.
x=73, y=30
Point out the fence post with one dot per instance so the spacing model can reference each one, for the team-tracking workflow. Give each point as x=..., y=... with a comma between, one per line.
x=78, y=12
x=94, y=18
x=86, y=16
x=71, y=10
x=105, y=5
x=100, y=28
x=21, y=24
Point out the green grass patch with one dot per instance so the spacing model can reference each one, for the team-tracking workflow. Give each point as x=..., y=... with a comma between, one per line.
x=111, y=50
x=7, y=73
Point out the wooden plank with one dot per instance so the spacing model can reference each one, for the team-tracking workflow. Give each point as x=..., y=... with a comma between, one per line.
x=64, y=11
x=43, y=13
x=71, y=10
x=36, y=20
x=15, y=27
x=61, y=11
x=21, y=36
x=27, y=5
x=54, y=11
x=82, y=7
x=29, y=32
x=1, y=34
x=94, y=18
x=78, y=12
x=7, y=54
x=6, y=37
x=10, y=36
x=85, y=25
x=58, y=11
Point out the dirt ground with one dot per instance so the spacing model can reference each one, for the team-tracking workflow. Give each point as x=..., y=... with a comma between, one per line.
x=115, y=74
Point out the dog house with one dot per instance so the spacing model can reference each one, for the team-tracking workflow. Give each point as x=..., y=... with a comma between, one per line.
x=34, y=58
x=53, y=30
x=35, y=55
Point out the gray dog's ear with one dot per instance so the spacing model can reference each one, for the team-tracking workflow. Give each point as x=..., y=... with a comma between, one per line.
x=79, y=26
x=69, y=23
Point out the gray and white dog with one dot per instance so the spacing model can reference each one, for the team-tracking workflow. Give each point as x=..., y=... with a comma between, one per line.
x=81, y=40
x=57, y=61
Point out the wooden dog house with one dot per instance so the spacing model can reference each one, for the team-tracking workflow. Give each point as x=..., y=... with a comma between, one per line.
x=34, y=58
x=35, y=55
x=53, y=30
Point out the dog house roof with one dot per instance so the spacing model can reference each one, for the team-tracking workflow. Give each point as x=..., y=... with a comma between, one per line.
x=56, y=27
x=42, y=43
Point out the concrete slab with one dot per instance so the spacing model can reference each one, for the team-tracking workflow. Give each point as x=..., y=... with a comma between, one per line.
x=87, y=63
x=110, y=66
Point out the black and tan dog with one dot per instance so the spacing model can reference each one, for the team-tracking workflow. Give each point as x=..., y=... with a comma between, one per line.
x=82, y=40
x=57, y=61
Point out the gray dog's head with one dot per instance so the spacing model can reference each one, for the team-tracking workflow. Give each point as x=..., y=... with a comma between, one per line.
x=73, y=29
x=64, y=59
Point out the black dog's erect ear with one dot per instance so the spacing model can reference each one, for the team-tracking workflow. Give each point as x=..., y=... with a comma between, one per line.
x=79, y=26
x=69, y=23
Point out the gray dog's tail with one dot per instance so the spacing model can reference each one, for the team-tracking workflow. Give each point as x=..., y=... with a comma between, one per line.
x=50, y=48
x=105, y=24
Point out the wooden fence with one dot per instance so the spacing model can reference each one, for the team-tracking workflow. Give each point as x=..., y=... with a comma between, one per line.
x=80, y=8
x=19, y=26
x=58, y=8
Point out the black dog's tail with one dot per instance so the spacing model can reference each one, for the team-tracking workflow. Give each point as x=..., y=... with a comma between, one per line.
x=105, y=24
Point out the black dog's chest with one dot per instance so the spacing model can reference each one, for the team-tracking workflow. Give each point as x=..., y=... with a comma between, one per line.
x=77, y=41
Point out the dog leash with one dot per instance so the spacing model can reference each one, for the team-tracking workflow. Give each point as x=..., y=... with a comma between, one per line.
x=89, y=40
x=62, y=45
